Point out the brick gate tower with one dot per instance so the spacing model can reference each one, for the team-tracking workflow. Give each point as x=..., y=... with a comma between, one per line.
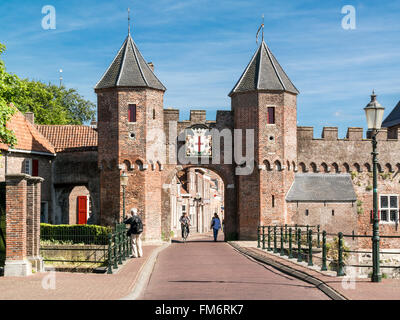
x=130, y=106
x=264, y=99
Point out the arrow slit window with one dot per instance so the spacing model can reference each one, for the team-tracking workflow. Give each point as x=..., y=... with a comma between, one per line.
x=132, y=113
x=271, y=115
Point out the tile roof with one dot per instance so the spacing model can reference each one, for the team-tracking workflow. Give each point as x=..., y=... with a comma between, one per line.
x=28, y=137
x=264, y=73
x=67, y=138
x=319, y=187
x=129, y=69
x=393, y=118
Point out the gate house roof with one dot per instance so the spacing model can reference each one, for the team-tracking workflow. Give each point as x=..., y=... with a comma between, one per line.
x=314, y=187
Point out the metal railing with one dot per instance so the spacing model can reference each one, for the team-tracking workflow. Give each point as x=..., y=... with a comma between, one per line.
x=304, y=241
x=81, y=245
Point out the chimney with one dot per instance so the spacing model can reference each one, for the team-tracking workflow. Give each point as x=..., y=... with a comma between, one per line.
x=30, y=116
x=151, y=65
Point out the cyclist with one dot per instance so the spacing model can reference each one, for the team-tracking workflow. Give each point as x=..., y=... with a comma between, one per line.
x=185, y=223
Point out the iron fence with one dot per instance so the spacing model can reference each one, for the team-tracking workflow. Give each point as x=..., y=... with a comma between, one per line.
x=304, y=242
x=77, y=244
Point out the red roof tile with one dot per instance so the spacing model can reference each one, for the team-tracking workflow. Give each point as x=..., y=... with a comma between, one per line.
x=28, y=137
x=70, y=137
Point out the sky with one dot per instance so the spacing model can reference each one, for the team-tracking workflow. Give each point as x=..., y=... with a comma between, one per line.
x=201, y=47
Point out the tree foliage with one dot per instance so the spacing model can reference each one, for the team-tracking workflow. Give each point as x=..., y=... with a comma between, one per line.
x=51, y=104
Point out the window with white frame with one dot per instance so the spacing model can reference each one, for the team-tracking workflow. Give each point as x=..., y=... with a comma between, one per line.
x=28, y=166
x=389, y=208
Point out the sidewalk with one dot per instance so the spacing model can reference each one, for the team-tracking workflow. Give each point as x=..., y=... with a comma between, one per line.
x=352, y=289
x=76, y=286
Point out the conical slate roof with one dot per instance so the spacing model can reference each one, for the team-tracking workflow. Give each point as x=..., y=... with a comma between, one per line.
x=393, y=118
x=264, y=73
x=129, y=69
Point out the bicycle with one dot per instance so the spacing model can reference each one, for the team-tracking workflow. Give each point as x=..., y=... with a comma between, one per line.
x=185, y=232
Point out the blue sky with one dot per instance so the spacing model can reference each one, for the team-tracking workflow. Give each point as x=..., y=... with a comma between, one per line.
x=201, y=47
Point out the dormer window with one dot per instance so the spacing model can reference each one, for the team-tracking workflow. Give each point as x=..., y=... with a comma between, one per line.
x=132, y=113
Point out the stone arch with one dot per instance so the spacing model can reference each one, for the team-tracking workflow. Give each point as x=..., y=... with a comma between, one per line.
x=357, y=167
x=335, y=167
x=127, y=166
x=294, y=166
x=303, y=167
x=398, y=167
x=367, y=167
x=324, y=167
x=288, y=165
x=159, y=165
x=278, y=165
x=139, y=165
x=346, y=167
x=267, y=165
x=379, y=167
x=388, y=167
x=314, y=167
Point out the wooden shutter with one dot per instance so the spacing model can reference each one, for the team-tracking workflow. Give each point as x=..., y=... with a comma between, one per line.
x=271, y=115
x=132, y=113
x=35, y=167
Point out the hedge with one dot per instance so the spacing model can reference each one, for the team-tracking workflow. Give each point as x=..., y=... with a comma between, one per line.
x=65, y=233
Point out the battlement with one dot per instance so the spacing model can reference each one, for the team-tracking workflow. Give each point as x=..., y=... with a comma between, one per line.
x=223, y=117
x=353, y=134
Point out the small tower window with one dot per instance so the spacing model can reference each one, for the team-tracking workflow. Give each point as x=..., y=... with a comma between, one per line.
x=132, y=113
x=271, y=115
x=333, y=212
x=273, y=201
x=306, y=212
x=154, y=114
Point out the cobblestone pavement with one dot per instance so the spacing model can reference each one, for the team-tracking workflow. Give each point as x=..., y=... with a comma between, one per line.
x=207, y=270
x=75, y=286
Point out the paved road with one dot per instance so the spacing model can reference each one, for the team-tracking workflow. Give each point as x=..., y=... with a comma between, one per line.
x=206, y=270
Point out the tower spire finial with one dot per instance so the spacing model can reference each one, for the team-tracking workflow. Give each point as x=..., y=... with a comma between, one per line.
x=261, y=28
x=129, y=21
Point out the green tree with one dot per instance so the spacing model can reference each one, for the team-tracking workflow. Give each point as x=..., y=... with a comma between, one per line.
x=7, y=84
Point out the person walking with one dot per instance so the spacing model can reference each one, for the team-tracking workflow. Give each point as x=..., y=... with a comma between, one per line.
x=215, y=225
x=135, y=232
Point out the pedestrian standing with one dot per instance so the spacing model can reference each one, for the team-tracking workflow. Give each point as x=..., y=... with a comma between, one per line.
x=135, y=232
x=215, y=225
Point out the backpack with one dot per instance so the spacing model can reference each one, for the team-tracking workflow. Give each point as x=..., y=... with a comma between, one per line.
x=136, y=225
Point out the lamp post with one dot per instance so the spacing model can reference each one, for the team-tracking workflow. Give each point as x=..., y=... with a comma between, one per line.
x=197, y=198
x=374, y=113
x=124, y=183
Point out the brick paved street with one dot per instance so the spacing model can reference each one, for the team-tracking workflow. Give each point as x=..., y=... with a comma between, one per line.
x=205, y=270
x=75, y=286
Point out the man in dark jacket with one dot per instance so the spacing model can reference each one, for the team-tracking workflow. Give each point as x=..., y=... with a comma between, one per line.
x=135, y=231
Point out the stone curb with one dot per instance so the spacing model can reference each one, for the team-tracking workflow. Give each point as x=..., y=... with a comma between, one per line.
x=143, y=275
x=321, y=285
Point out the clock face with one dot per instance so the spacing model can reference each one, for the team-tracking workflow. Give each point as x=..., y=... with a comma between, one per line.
x=198, y=143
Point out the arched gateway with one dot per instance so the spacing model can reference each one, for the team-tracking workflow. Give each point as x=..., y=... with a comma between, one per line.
x=138, y=136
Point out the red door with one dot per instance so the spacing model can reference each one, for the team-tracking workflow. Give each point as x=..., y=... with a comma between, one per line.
x=82, y=210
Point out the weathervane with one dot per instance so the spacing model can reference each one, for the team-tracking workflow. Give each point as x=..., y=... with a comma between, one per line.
x=129, y=21
x=261, y=28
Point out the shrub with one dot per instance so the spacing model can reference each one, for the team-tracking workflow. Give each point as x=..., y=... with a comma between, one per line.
x=67, y=234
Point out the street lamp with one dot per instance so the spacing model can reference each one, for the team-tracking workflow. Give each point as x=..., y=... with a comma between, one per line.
x=124, y=183
x=374, y=113
x=197, y=198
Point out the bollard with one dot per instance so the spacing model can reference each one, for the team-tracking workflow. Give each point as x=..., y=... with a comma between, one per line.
x=282, y=251
x=340, y=271
x=299, y=257
x=307, y=227
x=285, y=233
x=115, y=251
x=275, y=247
x=290, y=244
x=258, y=237
x=269, y=238
x=310, y=262
x=318, y=237
x=263, y=237
x=123, y=235
x=109, y=262
x=119, y=247
x=323, y=267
